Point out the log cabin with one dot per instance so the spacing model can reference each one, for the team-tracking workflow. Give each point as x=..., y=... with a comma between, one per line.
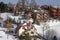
x=42, y=16
x=1, y=21
x=46, y=16
x=8, y=24
x=54, y=13
x=59, y=14
x=28, y=14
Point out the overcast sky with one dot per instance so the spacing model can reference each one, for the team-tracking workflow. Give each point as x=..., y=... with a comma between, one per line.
x=39, y=2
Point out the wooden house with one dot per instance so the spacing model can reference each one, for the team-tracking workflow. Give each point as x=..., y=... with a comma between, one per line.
x=1, y=18
x=39, y=16
x=28, y=14
x=54, y=13
x=8, y=24
x=1, y=21
x=46, y=16
x=42, y=16
x=58, y=13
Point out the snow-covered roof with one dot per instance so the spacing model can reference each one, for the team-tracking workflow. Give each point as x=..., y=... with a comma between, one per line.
x=4, y=15
x=36, y=11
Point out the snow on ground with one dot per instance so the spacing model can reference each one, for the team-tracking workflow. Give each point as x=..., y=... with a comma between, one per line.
x=55, y=25
x=4, y=36
x=39, y=29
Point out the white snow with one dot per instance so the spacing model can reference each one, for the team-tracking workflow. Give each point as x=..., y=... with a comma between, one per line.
x=55, y=25
x=4, y=36
x=39, y=29
x=4, y=15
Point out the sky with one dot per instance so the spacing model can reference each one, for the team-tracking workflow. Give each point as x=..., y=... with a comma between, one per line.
x=39, y=2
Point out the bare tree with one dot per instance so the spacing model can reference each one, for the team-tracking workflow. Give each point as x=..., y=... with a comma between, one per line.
x=33, y=4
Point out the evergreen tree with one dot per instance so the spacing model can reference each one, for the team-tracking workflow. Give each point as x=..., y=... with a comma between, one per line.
x=3, y=7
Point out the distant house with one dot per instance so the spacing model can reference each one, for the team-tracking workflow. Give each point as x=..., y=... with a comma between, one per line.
x=42, y=16
x=54, y=13
x=45, y=7
x=10, y=7
x=1, y=18
x=1, y=21
x=59, y=13
x=8, y=24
